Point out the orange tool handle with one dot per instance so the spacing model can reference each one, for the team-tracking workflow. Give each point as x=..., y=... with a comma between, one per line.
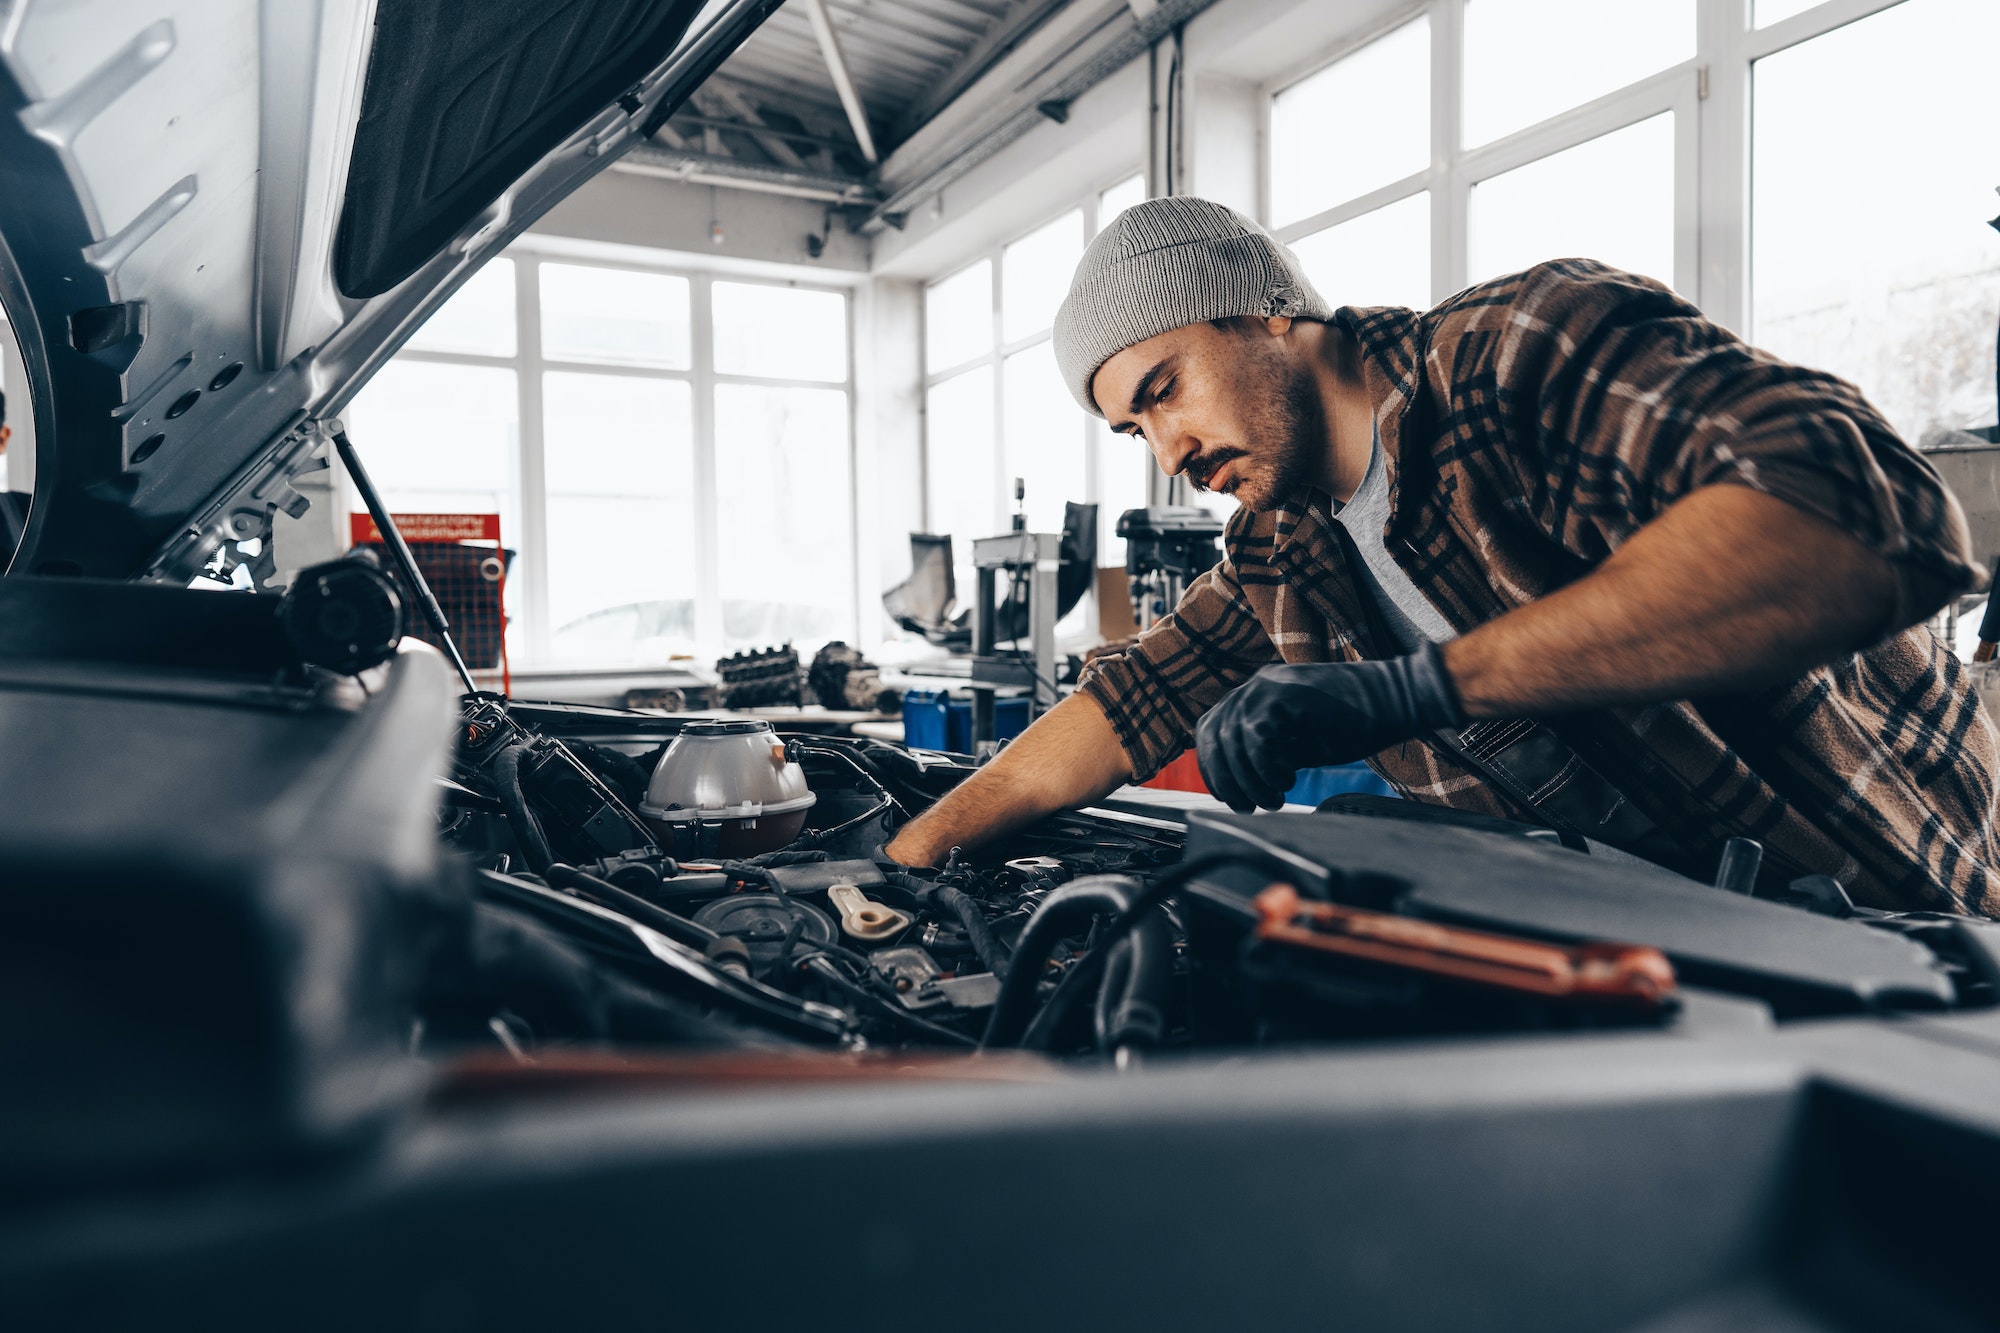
x=1628, y=973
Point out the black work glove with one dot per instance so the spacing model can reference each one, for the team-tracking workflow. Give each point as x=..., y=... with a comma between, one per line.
x=1311, y=714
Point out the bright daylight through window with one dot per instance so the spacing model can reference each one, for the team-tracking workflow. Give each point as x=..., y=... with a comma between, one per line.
x=1527, y=60
x=1611, y=199
x=1319, y=157
x=607, y=444
x=997, y=410
x=1872, y=182
x=1533, y=166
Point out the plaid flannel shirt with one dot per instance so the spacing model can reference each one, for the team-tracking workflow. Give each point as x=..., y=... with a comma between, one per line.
x=1530, y=425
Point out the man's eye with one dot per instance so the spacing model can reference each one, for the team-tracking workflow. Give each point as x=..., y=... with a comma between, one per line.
x=1166, y=391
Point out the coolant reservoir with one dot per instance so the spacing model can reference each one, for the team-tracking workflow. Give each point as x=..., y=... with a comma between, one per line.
x=725, y=788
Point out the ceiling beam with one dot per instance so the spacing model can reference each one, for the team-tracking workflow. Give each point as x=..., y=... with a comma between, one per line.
x=753, y=123
x=1109, y=49
x=650, y=159
x=836, y=66
x=685, y=117
x=1002, y=37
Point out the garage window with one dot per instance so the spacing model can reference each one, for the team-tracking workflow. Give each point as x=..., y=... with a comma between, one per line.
x=1764, y=159
x=670, y=454
x=996, y=408
x=1872, y=181
x=1499, y=133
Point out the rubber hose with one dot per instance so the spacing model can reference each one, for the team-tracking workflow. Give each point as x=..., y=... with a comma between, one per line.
x=629, y=904
x=1132, y=1001
x=1095, y=895
x=527, y=829
x=977, y=932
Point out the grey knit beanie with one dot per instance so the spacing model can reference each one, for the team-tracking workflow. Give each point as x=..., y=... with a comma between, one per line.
x=1168, y=263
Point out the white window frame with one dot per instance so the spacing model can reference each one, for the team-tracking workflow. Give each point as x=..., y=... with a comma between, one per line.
x=530, y=603
x=1708, y=96
x=996, y=359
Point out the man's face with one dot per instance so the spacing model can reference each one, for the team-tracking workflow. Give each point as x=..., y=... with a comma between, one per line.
x=1234, y=408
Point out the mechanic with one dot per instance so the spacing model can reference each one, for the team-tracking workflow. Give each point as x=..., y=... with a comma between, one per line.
x=1559, y=550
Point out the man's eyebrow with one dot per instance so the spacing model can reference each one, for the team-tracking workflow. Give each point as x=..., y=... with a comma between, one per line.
x=1144, y=388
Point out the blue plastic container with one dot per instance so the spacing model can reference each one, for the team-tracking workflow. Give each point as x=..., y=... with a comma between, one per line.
x=1314, y=785
x=934, y=720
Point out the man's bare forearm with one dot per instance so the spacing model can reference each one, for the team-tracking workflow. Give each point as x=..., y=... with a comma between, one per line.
x=1729, y=589
x=1069, y=757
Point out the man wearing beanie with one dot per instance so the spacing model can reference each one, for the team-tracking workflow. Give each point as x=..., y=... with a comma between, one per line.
x=1558, y=550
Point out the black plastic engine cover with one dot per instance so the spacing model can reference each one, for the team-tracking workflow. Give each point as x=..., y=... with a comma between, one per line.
x=1800, y=963
x=214, y=888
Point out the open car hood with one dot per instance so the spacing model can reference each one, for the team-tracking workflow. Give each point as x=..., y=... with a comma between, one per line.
x=218, y=218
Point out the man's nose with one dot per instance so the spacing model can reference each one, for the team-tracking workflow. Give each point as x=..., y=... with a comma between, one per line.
x=1173, y=454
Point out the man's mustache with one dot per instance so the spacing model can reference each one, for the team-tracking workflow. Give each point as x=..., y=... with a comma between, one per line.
x=1199, y=469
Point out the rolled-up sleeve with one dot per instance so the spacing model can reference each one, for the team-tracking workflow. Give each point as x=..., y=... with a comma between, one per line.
x=1620, y=398
x=1156, y=690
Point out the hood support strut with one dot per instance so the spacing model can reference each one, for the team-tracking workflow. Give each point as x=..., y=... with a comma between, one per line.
x=399, y=551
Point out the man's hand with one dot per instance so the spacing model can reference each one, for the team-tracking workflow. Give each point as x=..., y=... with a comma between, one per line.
x=1306, y=715
x=1069, y=757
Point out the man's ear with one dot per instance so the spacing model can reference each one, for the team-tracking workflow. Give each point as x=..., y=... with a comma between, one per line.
x=1279, y=325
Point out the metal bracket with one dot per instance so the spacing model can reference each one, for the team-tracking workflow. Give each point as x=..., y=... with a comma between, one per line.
x=243, y=509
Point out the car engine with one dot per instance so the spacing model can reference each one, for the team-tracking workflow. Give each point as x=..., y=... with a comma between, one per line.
x=725, y=883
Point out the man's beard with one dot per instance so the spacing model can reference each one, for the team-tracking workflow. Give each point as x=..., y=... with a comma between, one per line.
x=1286, y=427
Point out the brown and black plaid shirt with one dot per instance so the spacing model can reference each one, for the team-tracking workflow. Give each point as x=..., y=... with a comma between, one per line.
x=1529, y=426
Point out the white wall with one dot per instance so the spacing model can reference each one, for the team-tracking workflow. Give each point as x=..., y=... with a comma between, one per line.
x=1103, y=141
x=622, y=208
x=889, y=437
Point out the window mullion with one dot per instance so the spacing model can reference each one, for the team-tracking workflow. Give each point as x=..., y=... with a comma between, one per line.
x=862, y=630
x=707, y=531
x=1003, y=485
x=1721, y=47
x=1451, y=198
x=534, y=534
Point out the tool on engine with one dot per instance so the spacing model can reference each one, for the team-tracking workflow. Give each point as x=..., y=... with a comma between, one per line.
x=1619, y=974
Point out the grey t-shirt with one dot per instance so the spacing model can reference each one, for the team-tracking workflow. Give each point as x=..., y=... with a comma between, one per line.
x=1410, y=618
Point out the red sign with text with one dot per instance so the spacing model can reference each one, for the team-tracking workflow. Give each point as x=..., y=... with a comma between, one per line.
x=428, y=528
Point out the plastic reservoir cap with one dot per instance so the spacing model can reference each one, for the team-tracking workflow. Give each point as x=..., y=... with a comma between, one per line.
x=863, y=917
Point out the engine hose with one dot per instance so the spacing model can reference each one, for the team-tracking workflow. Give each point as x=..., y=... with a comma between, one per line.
x=628, y=904
x=787, y=858
x=1087, y=974
x=1059, y=914
x=881, y=807
x=977, y=932
x=1132, y=1001
x=527, y=829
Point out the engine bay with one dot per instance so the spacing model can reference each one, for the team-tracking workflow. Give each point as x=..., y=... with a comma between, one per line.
x=727, y=882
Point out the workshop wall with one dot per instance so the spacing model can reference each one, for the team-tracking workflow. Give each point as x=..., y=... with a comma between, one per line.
x=623, y=208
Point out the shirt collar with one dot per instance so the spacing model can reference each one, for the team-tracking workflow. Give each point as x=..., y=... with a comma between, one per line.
x=1390, y=339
